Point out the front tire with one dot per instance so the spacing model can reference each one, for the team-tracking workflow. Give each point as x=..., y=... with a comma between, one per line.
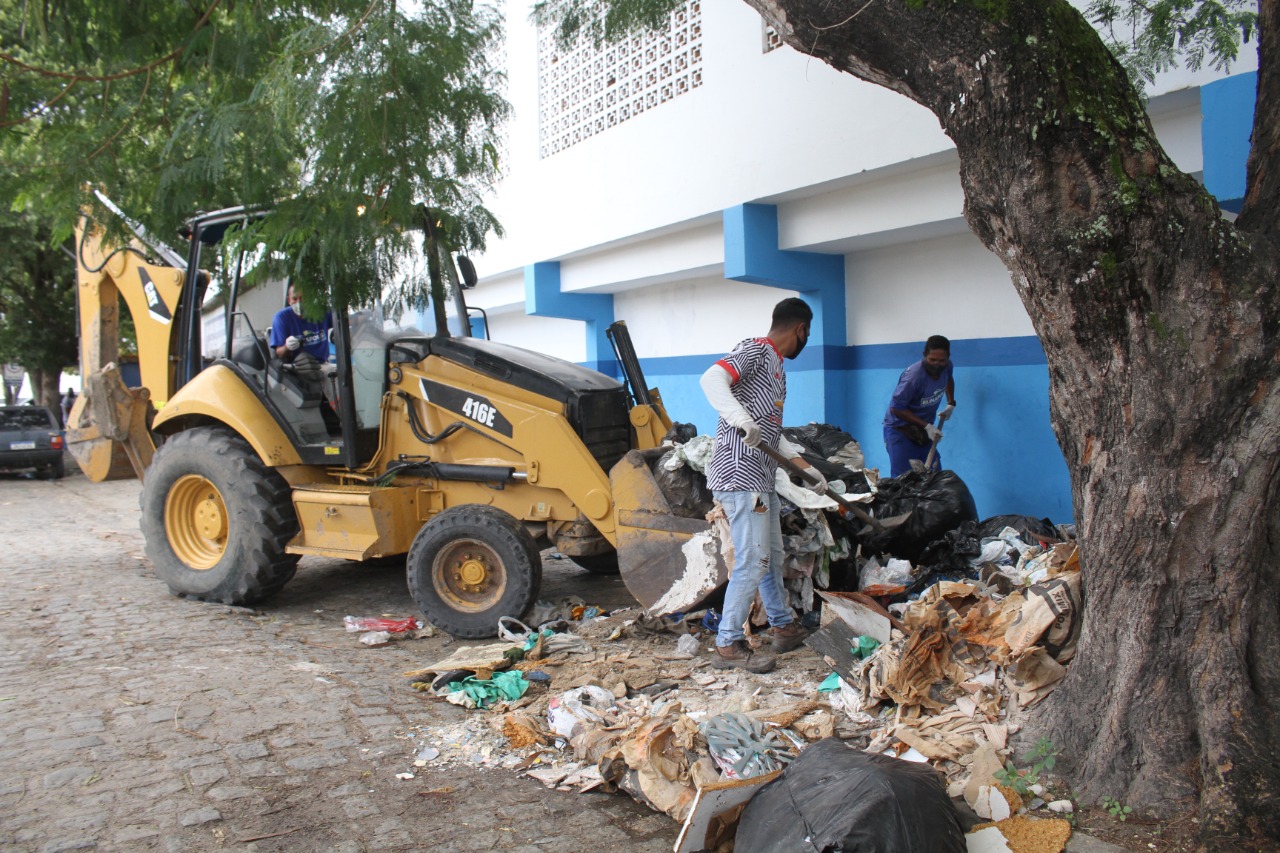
x=216, y=520
x=471, y=565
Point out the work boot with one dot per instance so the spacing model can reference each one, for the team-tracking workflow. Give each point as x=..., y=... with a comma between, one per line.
x=788, y=637
x=739, y=654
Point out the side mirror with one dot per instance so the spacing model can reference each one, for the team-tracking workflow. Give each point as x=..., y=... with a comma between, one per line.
x=468, y=270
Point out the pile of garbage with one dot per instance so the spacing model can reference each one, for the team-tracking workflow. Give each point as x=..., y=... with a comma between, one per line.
x=932, y=635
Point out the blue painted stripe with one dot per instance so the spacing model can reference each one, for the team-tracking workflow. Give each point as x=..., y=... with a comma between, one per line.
x=999, y=442
x=972, y=352
x=968, y=352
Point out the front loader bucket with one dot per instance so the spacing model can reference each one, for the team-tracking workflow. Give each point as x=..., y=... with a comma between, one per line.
x=107, y=429
x=669, y=563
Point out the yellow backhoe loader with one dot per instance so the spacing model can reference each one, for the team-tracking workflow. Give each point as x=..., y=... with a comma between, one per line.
x=466, y=454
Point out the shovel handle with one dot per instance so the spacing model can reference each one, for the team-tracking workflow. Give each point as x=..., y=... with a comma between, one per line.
x=933, y=451
x=803, y=473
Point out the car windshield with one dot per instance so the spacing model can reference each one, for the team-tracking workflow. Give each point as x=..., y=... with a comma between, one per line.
x=26, y=418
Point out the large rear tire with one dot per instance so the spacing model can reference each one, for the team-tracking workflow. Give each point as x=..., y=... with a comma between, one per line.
x=216, y=520
x=471, y=565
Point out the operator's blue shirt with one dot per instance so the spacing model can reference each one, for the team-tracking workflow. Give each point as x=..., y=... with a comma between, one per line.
x=314, y=336
x=918, y=393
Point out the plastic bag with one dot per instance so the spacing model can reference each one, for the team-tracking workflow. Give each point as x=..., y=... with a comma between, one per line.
x=684, y=488
x=826, y=441
x=891, y=578
x=1028, y=528
x=938, y=501
x=834, y=797
x=393, y=626
x=578, y=708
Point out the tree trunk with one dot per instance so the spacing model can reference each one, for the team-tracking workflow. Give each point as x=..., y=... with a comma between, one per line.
x=1160, y=325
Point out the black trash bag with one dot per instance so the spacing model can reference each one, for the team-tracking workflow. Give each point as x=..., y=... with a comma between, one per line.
x=684, y=488
x=822, y=440
x=937, y=500
x=834, y=797
x=680, y=433
x=855, y=482
x=954, y=550
x=1030, y=530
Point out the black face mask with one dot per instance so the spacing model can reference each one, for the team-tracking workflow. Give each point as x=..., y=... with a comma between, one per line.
x=800, y=345
x=934, y=372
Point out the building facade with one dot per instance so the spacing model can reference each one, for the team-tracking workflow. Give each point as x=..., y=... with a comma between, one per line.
x=686, y=181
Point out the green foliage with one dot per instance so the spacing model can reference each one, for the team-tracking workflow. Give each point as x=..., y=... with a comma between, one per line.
x=349, y=114
x=37, y=296
x=1117, y=809
x=1042, y=757
x=1151, y=37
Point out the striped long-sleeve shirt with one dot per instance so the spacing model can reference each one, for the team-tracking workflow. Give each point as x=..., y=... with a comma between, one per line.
x=759, y=383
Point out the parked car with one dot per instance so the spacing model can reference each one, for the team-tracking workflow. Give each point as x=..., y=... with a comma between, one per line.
x=30, y=438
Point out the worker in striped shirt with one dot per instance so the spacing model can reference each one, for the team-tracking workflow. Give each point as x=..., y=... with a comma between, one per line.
x=748, y=388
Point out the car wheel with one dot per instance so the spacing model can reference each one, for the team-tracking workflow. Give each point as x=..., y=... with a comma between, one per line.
x=471, y=565
x=216, y=520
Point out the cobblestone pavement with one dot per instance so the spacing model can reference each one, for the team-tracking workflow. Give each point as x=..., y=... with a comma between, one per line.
x=134, y=720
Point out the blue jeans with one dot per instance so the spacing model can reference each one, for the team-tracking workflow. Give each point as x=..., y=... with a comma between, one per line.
x=755, y=525
x=902, y=450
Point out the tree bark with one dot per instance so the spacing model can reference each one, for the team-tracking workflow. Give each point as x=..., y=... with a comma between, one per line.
x=1160, y=323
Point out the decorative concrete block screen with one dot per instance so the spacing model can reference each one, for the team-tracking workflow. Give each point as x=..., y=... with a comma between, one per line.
x=583, y=91
x=771, y=40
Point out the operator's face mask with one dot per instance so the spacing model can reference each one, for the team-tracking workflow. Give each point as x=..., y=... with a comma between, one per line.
x=297, y=307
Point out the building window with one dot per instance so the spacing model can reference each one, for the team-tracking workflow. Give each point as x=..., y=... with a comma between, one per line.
x=583, y=91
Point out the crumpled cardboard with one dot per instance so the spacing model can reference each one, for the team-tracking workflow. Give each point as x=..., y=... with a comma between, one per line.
x=1034, y=676
x=1050, y=617
x=659, y=753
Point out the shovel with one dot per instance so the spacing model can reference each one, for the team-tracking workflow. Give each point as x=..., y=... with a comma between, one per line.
x=880, y=526
x=933, y=450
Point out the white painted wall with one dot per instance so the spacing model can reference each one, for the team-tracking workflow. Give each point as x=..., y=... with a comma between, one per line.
x=949, y=286
x=559, y=338
x=760, y=124
x=854, y=169
x=706, y=315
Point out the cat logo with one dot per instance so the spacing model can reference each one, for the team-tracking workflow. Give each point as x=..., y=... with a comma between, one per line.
x=155, y=305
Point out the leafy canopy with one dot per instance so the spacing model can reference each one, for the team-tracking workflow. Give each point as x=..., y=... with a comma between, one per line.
x=348, y=115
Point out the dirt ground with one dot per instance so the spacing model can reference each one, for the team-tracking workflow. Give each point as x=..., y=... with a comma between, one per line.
x=134, y=720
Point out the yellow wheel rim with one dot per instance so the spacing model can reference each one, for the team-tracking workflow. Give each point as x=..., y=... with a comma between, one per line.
x=469, y=575
x=195, y=518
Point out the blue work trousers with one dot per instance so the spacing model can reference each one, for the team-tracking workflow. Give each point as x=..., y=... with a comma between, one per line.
x=756, y=528
x=902, y=450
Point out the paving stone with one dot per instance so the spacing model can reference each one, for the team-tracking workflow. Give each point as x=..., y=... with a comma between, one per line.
x=207, y=814
x=314, y=762
x=136, y=832
x=358, y=807
x=68, y=775
x=69, y=844
x=230, y=792
x=74, y=743
x=207, y=775
x=246, y=751
x=255, y=769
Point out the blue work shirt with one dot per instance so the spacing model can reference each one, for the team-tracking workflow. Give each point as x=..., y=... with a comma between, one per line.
x=314, y=335
x=918, y=393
